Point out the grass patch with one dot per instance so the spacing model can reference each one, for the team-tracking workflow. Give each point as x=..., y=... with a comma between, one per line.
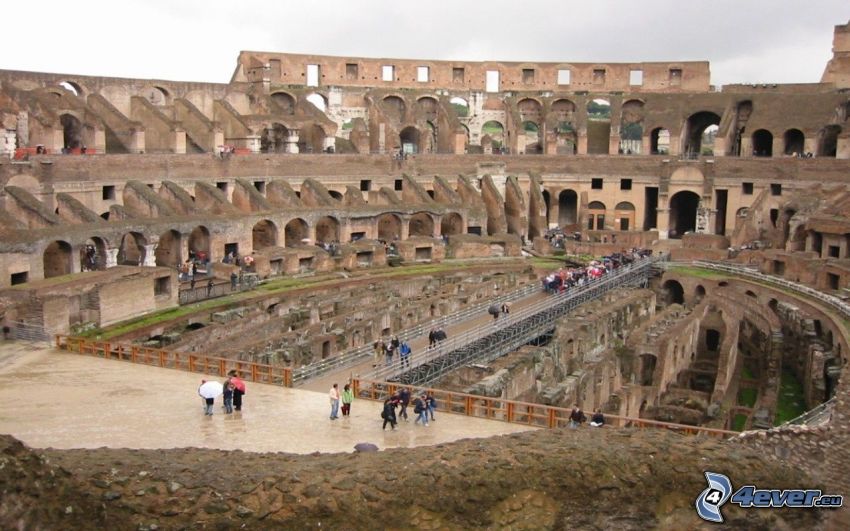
x=699, y=272
x=748, y=374
x=790, y=404
x=739, y=422
x=747, y=397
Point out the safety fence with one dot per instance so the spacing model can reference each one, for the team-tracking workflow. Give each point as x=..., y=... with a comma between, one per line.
x=183, y=361
x=516, y=412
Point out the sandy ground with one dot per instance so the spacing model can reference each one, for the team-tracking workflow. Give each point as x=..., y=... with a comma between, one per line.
x=62, y=400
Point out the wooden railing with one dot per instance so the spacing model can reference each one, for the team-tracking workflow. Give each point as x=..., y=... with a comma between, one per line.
x=538, y=415
x=183, y=361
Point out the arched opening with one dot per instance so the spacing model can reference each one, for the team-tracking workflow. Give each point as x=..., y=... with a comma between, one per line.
x=659, y=141
x=674, y=293
x=828, y=141
x=429, y=143
x=318, y=101
x=492, y=136
x=336, y=195
x=273, y=139
x=565, y=134
x=700, y=132
x=460, y=106
x=93, y=254
x=311, y=139
x=712, y=339
x=598, y=126
x=427, y=109
x=631, y=128
x=389, y=227
x=284, y=102
x=531, y=135
x=132, y=249
x=167, y=252
x=452, y=223
x=157, y=96
x=421, y=224
x=394, y=108
x=327, y=230
x=596, y=215
x=683, y=213
x=409, y=138
x=546, y=201
x=750, y=293
x=72, y=131
x=72, y=87
x=699, y=292
x=624, y=215
x=199, y=243
x=762, y=143
x=742, y=116
x=647, y=368
x=795, y=142
x=57, y=259
x=295, y=233
x=264, y=234
x=567, y=208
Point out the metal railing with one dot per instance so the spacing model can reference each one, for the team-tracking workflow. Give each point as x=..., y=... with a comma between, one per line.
x=358, y=354
x=485, y=343
x=184, y=361
x=814, y=417
x=23, y=331
x=517, y=412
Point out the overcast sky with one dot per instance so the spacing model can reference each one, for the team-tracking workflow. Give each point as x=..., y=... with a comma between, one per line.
x=746, y=41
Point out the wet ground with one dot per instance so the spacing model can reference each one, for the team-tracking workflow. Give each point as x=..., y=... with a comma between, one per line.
x=62, y=400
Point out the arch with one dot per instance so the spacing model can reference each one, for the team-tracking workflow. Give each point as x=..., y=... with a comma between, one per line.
x=762, y=143
x=828, y=141
x=93, y=254
x=452, y=223
x=409, y=138
x=336, y=195
x=327, y=230
x=284, y=101
x=529, y=110
x=564, y=110
x=295, y=232
x=624, y=215
x=699, y=291
x=794, y=141
x=460, y=106
x=389, y=227
x=72, y=87
x=598, y=126
x=751, y=293
x=273, y=139
x=531, y=134
x=492, y=132
x=625, y=206
x=567, y=207
x=167, y=251
x=394, y=108
x=647, y=368
x=683, y=213
x=72, y=131
x=631, y=127
x=596, y=211
x=157, y=95
x=311, y=139
x=427, y=107
x=199, y=243
x=318, y=100
x=742, y=116
x=674, y=293
x=132, y=249
x=596, y=205
x=421, y=224
x=698, y=135
x=56, y=259
x=264, y=234
x=659, y=141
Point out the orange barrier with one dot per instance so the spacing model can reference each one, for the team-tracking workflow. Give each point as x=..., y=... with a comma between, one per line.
x=184, y=361
x=538, y=415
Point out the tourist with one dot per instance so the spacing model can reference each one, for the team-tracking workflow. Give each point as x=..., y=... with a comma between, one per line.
x=233, y=278
x=403, y=400
x=334, y=397
x=431, y=404
x=228, y=396
x=207, y=402
x=388, y=413
x=506, y=308
x=209, y=287
x=432, y=338
x=597, y=419
x=380, y=351
x=420, y=408
x=576, y=416
x=347, y=399
x=440, y=334
x=389, y=353
x=404, y=354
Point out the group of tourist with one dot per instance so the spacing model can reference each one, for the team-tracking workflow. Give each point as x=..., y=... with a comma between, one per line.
x=232, y=389
x=577, y=418
x=565, y=278
x=346, y=397
x=387, y=349
x=424, y=406
x=435, y=336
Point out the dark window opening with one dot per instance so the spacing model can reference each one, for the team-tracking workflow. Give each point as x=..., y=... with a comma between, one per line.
x=774, y=216
x=675, y=76
x=832, y=280
x=20, y=278
x=834, y=251
x=528, y=75
x=365, y=185
x=778, y=267
x=398, y=186
x=473, y=230
x=599, y=76
x=162, y=286
x=747, y=188
x=457, y=75
x=108, y=193
x=351, y=71
x=596, y=184
x=712, y=339
x=357, y=236
x=260, y=186
x=625, y=184
x=720, y=220
x=775, y=189
x=650, y=220
x=231, y=248
x=222, y=186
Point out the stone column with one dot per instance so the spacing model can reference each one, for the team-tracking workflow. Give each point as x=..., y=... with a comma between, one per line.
x=292, y=141
x=111, y=258
x=150, y=255
x=662, y=220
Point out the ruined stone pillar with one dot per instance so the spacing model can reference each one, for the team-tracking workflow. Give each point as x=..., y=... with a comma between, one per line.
x=253, y=143
x=111, y=258
x=99, y=141
x=581, y=148
x=662, y=220
x=292, y=141
x=150, y=255
x=178, y=141
x=137, y=141
x=405, y=228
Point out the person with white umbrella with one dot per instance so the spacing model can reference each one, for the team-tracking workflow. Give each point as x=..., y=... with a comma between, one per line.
x=208, y=391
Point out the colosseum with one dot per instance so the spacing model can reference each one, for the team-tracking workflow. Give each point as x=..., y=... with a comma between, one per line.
x=285, y=223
